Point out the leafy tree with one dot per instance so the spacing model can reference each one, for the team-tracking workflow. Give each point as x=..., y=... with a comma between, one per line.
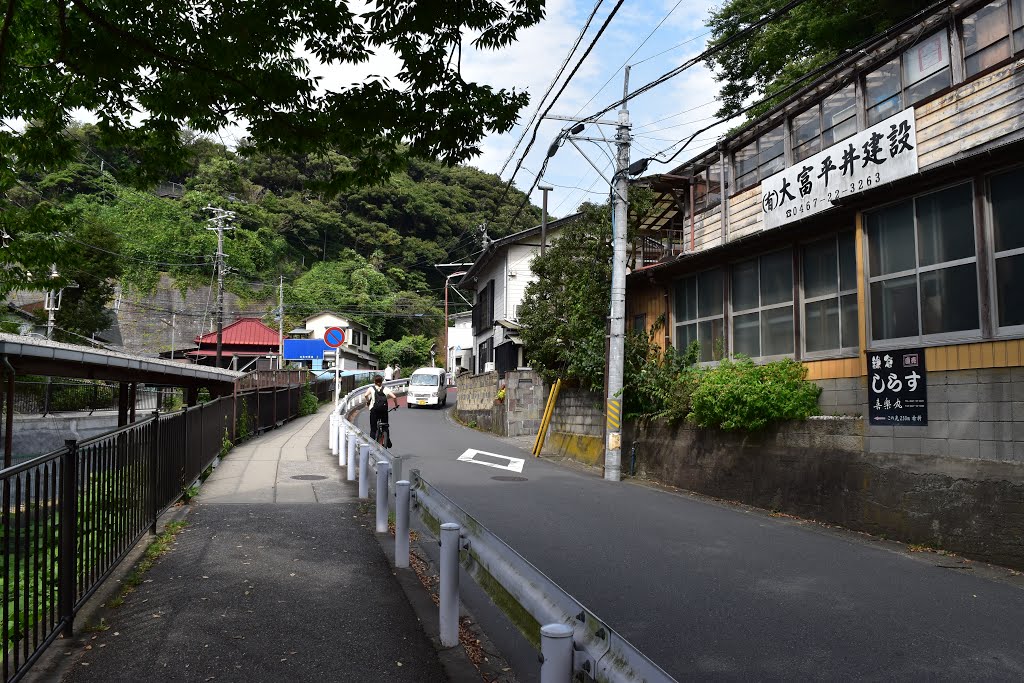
x=411, y=351
x=807, y=37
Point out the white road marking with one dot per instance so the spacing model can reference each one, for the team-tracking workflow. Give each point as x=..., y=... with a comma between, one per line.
x=514, y=464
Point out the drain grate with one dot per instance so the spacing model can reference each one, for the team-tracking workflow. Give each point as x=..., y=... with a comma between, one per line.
x=505, y=477
x=309, y=477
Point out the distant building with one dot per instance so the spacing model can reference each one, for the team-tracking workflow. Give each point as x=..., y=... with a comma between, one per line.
x=460, y=342
x=246, y=344
x=499, y=277
x=305, y=344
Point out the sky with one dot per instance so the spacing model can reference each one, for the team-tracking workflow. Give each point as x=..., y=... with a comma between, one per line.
x=661, y=118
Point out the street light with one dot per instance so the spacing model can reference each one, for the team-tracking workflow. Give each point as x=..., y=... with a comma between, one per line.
x=544, y=216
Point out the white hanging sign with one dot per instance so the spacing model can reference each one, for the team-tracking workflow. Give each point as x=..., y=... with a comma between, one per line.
x=885, y=152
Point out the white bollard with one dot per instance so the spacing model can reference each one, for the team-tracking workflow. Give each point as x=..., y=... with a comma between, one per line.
x=332, y=434
x=402, y=523
x=383, y=470
x=343, y=437
x=555, y=653
x=448, y=607
x=352, y=456
x=364, y=471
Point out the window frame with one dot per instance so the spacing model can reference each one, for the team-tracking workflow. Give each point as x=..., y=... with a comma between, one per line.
x=841, y=351
x=758, y=171
x=676, y=323
x=819, y=110
x=730, y=336
x=993, y=256
x=1009, y=38
x=921, y=339
x=901, y=73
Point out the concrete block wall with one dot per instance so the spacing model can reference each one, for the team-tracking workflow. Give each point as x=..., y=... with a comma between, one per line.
x=476, y=392
x=578, y=412
x=525, y=396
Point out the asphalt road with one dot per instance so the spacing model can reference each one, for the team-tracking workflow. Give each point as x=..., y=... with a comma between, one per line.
x=716, y=591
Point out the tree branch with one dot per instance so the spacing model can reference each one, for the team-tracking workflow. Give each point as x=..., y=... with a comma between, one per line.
x=5, y=32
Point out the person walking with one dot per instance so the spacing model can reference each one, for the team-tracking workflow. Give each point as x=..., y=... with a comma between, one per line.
x=389, y=373
x=376, y=396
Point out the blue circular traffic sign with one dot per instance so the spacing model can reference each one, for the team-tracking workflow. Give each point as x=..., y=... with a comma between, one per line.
x=334, y=337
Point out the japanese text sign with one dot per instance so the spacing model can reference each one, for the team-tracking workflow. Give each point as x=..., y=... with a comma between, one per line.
x=897, y=388
x=878, y=155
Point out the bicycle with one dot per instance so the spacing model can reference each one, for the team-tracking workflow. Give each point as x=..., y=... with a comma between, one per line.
x=384, y=430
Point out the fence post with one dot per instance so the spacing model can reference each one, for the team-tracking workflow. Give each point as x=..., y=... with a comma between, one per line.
x=153, y=466
x=352, y=455
x=68, y=560
x=555, y=653
x=402, y=523
x=332, y=435
x=364, y=466
x=185, y=447
x=448, y=608
x=383, y=470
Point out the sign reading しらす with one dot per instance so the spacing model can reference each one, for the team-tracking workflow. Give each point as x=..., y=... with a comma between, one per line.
x=897, y=388
x=885, y=152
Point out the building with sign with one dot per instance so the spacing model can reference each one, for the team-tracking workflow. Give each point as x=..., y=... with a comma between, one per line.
x=246, y=344
x=876, y=212
x=312, y=352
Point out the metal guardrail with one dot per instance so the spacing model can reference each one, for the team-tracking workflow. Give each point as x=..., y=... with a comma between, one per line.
x=515, y=585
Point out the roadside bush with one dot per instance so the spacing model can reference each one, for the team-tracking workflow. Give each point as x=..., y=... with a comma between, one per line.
x=740, y=395
x=657, y=385
x=308, y=403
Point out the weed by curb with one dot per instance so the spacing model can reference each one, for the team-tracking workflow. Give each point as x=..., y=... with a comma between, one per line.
x=160, y=545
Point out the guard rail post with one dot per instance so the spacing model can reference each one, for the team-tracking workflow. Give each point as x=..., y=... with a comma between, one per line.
x=332, y=435
x=396, y=467
x=555, y=653
x=67, y=556
x=402, y=523
x=383, y=470
x=343, y=436
x=352, y=455
x=364, y=466
x=448, y=607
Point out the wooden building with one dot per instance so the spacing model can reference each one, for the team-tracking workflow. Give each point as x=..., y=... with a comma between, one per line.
x=879, y=208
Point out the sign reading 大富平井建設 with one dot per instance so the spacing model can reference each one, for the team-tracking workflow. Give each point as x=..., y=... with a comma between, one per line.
x=897, y=388
x=885, y=152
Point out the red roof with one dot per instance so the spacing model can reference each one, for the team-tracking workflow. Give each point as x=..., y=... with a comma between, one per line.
x=227, y=353
x=244, y=332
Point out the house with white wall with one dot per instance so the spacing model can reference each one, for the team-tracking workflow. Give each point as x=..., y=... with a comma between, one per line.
x=460, y=342
x=499, y=278
x=355, y=352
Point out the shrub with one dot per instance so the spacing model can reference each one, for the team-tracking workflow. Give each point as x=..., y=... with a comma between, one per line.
x=740, y=395
x=308, y=403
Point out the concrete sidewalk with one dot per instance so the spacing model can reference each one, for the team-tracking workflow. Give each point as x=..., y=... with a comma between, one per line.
x=274, y=578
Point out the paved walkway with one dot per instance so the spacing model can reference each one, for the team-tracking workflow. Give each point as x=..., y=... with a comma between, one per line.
x=274, y=578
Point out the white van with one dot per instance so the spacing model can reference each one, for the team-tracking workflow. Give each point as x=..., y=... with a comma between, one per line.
x=427, y=387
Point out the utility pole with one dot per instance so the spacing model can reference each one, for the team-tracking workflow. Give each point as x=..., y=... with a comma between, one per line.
x=544, y=217
x=220, y=224
x=280, y=324
x=52, y=303
x=617, y=312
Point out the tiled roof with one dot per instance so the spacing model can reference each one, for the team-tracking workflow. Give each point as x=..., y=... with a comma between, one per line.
x=244, y=332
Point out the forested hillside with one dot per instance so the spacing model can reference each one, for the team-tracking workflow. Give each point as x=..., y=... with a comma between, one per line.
x=368, y=252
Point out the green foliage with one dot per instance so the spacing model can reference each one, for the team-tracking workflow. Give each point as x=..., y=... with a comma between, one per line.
x=308, y=403
x=244, y=426
x=411, y=351
x=740, y=395
x=657, y=385
x=172, y=402
x=225, y=444
x=809, y=36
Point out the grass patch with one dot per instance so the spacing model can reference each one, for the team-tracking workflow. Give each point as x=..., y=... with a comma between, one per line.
x=97, y=628
x=160, y=545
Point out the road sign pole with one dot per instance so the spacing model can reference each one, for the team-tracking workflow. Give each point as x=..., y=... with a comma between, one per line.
x=337, y=377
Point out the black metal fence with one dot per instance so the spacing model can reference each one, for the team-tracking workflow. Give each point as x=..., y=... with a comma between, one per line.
x=69, y=517
x=43, y=398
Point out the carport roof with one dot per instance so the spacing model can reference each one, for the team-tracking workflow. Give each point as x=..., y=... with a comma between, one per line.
x=32, y=355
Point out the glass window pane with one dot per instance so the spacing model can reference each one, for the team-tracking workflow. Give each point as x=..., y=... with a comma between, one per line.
x=746, y=159
x=847, y=261
x=849, y=322
x=991, y=55
x=709, y=293
x=925, y=58
x=928, y=86
x=1009, y=283
x=712, y=343
x=838, y=107
x=771, y=154
x=746, y=334
x=744, y=285
x=686, y=299
x=1017, y=15
x=894, y=308
x=806, y=126
x=882, y=84
x=777, y=331
x=1008, y=209
x=821, y=320
x=949, y=299
x=807, y=149
x=777, y=277
x=840, y=132
x=884, y=110
x=685, y=335
x=945, y=225
x=986, y=26
x=746, y=181
x=820, y=269
x=891, y=239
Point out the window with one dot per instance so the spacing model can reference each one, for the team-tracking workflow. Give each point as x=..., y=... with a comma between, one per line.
x=986, y=37
x=485, y=354
x=1008, y=245
x=830, y=295
x=700, y=314
x=759, y=159
x=825, y=124
x=483, y=309
x=707, y=187
x=762, y=305
x=922, y=70
x=923, y=266
x=640, y=323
